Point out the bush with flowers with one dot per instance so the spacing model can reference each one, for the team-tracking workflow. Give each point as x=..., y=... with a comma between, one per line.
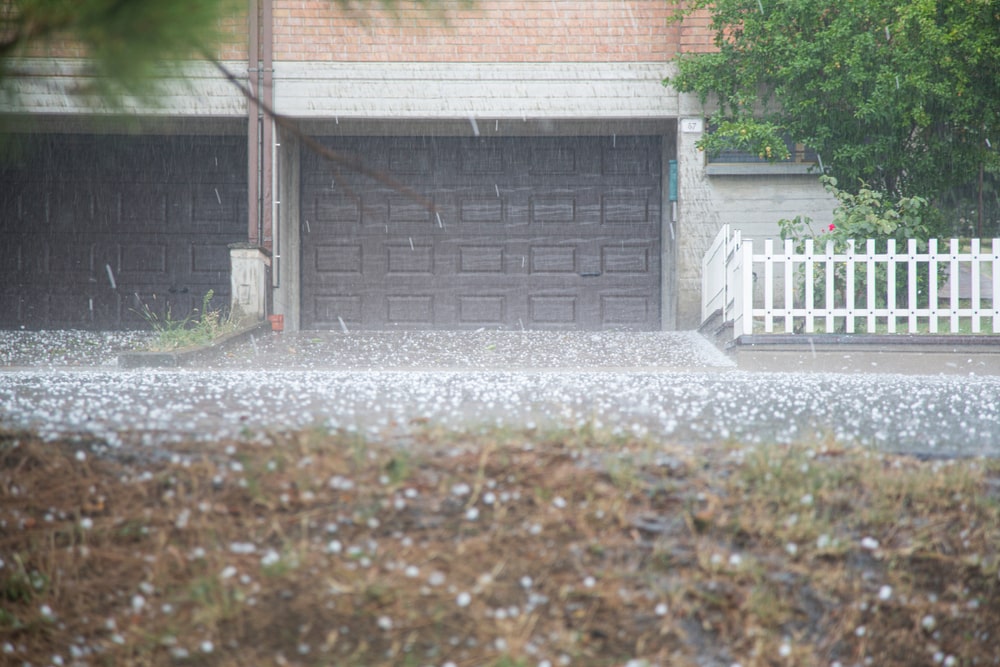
x=869, y=214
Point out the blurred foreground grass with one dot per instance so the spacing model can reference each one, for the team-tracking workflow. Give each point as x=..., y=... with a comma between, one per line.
x=494, y=548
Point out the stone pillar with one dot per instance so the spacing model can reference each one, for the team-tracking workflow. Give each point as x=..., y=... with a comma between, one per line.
x=698, y=220
x=287, y=251
x=249, y=265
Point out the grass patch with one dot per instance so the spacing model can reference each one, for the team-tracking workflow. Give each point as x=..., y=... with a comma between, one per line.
x=495, y=548
x=200, y=327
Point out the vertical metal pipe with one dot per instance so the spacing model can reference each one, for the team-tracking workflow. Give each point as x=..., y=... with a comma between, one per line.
x=267, y=138
x=253, y=129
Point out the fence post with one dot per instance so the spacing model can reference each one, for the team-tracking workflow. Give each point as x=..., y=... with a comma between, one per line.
x=746, y=293
x=995, y=247
x=830, y=287
x=789, y=286
x=870, y=277
x=932, y=284
x=849, y=287
x=976, y=303
x=890, y=283
x=953, y=272
x=810, y=286
x=769, y=286
x=911, y=287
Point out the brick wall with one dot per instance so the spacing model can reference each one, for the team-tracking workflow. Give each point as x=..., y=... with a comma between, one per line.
x=492, y=31
x=232, y=44
x=696, y=34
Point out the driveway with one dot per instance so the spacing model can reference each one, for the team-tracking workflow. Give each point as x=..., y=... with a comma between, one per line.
x=672, y=387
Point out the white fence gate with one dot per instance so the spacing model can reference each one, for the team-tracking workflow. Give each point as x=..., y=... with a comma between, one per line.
x=788, y=290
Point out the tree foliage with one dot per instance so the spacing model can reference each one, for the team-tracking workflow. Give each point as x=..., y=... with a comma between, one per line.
x=123, y=41
x=897, y=95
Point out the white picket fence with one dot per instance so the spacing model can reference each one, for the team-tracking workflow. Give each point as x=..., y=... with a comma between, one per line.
x=955, y=289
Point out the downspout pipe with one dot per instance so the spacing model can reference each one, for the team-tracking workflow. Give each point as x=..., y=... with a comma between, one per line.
x=253, y=128
x=267, y=129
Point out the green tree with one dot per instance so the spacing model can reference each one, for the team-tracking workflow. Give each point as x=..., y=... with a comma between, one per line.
x=901, y=96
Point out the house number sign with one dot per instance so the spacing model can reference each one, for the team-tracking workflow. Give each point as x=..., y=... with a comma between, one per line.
x=692, y=125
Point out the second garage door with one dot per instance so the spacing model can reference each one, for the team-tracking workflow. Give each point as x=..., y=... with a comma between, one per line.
x=96, y=230
x=515, y=232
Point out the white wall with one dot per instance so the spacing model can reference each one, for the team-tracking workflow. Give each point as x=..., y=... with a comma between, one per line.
x=458, y=90
x=49, y=86
x=751, y=198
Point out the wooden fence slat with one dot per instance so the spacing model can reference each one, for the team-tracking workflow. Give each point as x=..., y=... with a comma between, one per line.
x=911, y=284
x=953, y=276
x=870, y=277
x=849, y=288
x=810, y=296
x=843, y=305
x=976, y=303
x=769, y=280
x=789, y=286
x=830, y=289
x=746, y=291
x=890, y=283
x=995, y=259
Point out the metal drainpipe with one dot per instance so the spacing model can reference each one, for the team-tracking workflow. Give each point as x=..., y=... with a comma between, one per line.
x=253, y=131
x=267, y=139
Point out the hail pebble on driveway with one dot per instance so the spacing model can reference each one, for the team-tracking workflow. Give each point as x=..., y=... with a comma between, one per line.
x=674, y=386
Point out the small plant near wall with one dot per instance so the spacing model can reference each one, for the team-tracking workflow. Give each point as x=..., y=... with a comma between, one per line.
x=761, y=139
x=869, y=214
x=201, y=327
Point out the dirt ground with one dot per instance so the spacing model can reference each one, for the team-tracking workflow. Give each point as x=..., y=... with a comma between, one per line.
x=495, y=547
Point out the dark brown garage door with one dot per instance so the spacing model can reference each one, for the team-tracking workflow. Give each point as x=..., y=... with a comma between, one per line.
x=93, y=226
x=530, y=232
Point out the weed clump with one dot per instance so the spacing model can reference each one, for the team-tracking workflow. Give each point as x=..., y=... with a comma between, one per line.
x=200, y=327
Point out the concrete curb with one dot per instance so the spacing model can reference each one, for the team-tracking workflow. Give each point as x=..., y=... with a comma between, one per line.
x=188, y=355
x=896, y=342
x=852, y=353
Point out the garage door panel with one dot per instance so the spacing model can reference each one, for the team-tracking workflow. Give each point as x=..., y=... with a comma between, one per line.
x=478, y=209
x=481, y=310
x=216, y=206
x=125, y=215
x=558, y=310
x=342, y=259
x=629, y=156
x=403, y=209
x=555, y=259
x=622, y=310
x=411, y=159
x=410, y=260
x=480, y=259
x=209, y=258
x=547, y=233
x=142, y=259
x=626, y=260
x=143, y=208
x=626, y=209
x=336, y=208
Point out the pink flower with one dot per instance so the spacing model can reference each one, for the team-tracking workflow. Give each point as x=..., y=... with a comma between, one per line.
x=831, y=227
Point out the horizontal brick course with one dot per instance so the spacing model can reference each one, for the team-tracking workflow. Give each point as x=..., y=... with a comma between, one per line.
x=493, y=31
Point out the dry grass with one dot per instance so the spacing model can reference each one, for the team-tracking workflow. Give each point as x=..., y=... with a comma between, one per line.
x=497, y=548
